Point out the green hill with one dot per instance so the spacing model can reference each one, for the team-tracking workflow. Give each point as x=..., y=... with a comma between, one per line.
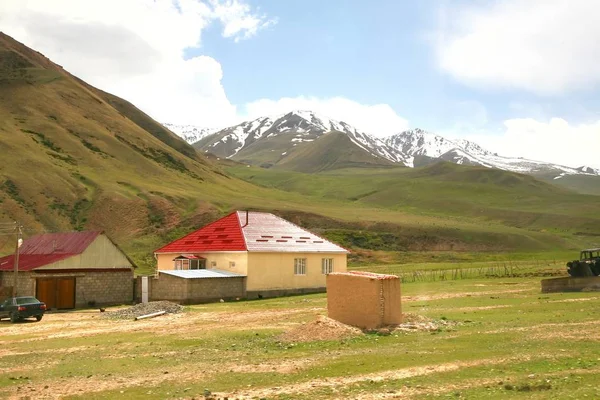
x=333, y=150
x=450, y=194
x=75, y=157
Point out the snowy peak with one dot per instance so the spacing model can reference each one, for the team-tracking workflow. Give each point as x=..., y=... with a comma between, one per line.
x=588, y=170
x=268, y=140
x=418, y=142
x=294, y=128
x=190, y=133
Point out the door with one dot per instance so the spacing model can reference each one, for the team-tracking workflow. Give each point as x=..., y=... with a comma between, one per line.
x=65, y=293
x=46, y=291
x=56, y=292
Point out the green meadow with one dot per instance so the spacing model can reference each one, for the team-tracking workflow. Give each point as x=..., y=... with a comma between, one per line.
x=496, y=338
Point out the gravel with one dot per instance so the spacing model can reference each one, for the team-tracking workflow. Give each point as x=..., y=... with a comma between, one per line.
x=143, y=309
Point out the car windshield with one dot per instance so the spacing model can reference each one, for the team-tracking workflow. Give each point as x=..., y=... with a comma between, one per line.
x=26, y=300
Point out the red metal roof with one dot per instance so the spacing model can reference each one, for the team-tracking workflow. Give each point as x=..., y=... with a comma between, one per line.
x=28, y=262
x=261, y=232
x=224, y=234
x=47, y=248
x=53, y=243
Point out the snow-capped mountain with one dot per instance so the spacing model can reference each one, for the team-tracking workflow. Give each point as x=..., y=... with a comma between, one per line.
x=286, y=132
x=190, y=133
x=429, y=146
x=418, y=142
x=268, y=141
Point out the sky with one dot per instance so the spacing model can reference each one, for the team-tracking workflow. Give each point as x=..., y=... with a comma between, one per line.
x=521, y=78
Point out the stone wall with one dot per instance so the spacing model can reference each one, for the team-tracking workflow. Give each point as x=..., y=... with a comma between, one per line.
x=570, y=284
x=364, y=300
x=191, y=291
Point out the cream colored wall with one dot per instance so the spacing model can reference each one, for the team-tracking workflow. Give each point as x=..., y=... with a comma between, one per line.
x=165, y=261
x=271, y=271
x=101, y=253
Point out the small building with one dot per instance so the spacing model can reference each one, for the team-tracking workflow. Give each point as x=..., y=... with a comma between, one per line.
x=275, y=256
x=364, y=299
x=71, y=270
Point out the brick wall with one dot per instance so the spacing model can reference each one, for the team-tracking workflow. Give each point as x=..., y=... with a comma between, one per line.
x=191, y=291
x=366, y=301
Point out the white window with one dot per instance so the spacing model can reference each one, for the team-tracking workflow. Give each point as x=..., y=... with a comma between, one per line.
x=299, y=266
x=178, y=264
x=326, y=265
x=231, y=264
x=213, y=264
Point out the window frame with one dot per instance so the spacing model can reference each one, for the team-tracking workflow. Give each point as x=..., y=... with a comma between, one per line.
x=178, y=265
x=300, y=266
x=327, y=266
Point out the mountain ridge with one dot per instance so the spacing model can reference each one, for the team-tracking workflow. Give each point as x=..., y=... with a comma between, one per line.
x=411, y=148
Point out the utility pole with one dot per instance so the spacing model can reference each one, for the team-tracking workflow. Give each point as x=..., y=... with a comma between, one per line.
x=16, y=266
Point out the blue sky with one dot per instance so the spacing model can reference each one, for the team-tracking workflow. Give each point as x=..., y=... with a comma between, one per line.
x=372, y=52
x=518, y=77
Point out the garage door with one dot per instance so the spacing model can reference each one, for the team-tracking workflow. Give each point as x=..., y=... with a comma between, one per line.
x=56, y=292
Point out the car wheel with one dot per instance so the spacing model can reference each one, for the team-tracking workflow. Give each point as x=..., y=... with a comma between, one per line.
x=13, y=318
x=38, y=317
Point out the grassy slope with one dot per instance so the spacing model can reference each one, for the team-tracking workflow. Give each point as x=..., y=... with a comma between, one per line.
x=504, y=340
x=580, y=183
x=449, y=196
x=332, y=151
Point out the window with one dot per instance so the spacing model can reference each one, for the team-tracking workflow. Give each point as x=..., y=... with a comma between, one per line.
x=231, y=264
x=299, y=266
x=178, y=264
x=213, y=264
x=186, y=264
x=327, y=265
x=197, y=264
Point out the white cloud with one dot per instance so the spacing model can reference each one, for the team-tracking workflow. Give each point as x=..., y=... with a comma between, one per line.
x=378, y=119
x=554, y=140
x=238, y=20
x=135, y=48
x=547, y=47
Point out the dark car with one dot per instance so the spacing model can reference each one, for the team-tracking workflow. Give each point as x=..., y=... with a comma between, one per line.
x=18, y=308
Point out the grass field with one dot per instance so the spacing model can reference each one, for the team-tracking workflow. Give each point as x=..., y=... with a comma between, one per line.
x=501, y=338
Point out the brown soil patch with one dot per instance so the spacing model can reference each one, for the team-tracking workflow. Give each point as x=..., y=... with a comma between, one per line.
x=441, y=296
x=322, y=328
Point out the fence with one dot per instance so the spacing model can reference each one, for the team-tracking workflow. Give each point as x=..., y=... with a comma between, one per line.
x=541, y=268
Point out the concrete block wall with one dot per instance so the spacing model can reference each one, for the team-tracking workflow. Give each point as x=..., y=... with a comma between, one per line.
x=570, y=284
x=104, y=288
x=191, y=291
x=25, y=286
x=364, y=300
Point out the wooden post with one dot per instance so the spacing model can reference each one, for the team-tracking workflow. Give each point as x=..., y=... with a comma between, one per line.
x=16, y=265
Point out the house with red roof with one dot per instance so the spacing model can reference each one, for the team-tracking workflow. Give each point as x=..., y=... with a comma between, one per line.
x=71, y=270
x=275, y=256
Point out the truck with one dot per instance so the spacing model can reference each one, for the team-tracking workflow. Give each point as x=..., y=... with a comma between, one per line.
x=587, y=265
